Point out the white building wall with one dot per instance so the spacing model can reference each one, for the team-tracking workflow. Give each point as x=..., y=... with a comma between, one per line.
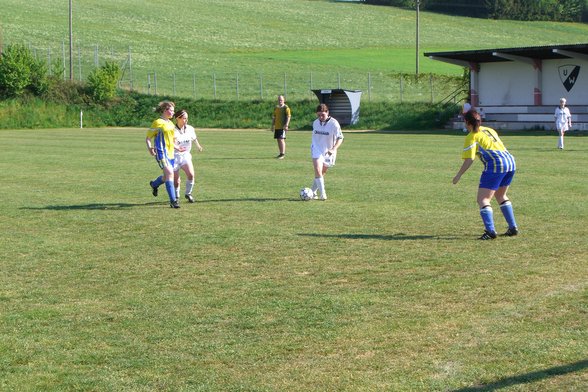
x=512, y=83
x=505, y=83
x=553, y=87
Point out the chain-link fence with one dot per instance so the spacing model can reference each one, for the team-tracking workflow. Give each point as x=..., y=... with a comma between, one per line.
x=245, y=85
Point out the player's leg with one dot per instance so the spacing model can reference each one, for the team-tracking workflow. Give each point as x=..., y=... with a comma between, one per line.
x=506, y=205
x=189, y=170
x=168, y=177
x=177, y=182
x=319, y=180
x=155, y=185
x=279, y=135
x=486, y=213
x=282, y=146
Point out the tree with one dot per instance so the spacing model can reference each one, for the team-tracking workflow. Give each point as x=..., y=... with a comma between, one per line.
x=20, y=72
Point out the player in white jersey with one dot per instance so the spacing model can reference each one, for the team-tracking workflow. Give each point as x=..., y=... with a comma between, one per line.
x=563, y=121
x=326, y=139
x=184, y=136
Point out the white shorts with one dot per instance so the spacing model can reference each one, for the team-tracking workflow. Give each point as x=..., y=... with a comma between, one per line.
x=327, y=160
x=182, y=160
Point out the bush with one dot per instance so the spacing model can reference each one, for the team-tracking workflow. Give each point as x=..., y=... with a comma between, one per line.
x=20, y=72
x=103, y=81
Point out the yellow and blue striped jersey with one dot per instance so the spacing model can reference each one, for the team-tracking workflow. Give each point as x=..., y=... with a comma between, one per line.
x=489, y=148
x=162, y=132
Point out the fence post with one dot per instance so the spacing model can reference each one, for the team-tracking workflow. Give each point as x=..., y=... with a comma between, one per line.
x=338, y=80
x=237, y=86
x=194, y=84
x=401, y=89
x=80, y=61
x=148, y=84
x=431, y=86
x=131, y=68
x=63, y=52
x=155, y=81
x=49, y=61
x=369, y=87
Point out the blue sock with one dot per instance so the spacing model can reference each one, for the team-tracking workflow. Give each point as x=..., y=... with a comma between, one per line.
x=157, y=182
x=488, y=218
x=171, y=190
x=508, y=213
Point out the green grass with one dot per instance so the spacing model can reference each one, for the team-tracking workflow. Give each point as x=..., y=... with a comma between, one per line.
x=382, y=287
x=206, y=39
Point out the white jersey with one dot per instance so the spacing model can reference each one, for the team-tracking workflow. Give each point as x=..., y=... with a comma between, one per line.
x=562, y=117
x=324, y=137
x=184, y=138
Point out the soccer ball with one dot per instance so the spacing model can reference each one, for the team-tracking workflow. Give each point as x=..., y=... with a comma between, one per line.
x=306, y=194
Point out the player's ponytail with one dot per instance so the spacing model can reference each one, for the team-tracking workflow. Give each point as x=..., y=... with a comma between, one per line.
x=472, y=117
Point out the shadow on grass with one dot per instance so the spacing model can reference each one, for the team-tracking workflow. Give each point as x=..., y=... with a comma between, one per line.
x=386, y=237
x=253, y=199
x=93, y=206
x=528, y=377
x=120, y=206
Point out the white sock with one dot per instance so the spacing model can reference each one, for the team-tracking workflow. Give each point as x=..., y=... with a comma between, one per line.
x=178, y=192
x=321, y=181
x=189, y=187
x=315, y=185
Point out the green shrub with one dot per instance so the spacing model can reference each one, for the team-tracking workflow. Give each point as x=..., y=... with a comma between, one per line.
x=103, y=81
x=20, y=72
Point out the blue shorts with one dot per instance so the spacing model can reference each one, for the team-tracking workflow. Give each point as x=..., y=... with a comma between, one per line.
x=496, y=180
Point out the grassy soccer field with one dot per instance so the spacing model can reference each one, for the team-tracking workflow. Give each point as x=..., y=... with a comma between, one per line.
x=382, y=287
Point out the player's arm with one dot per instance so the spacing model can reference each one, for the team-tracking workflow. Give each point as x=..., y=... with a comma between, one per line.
x=333, y=149
x=467, y=163
x=288, y=117
x=197, y=144
x=150, y=147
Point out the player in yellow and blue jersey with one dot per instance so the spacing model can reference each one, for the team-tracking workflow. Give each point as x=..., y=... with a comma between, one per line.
x=160, y=144
x=499, y=170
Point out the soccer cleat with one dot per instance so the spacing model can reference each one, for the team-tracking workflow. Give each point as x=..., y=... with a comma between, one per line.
x=512, y=231
x=189, y=198
x=323, y=197
x=488, y=235
x=154, y=189
x=281, y=156
x=174, y=204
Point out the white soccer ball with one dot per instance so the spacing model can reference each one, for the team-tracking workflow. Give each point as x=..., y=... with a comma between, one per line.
x=306, y=194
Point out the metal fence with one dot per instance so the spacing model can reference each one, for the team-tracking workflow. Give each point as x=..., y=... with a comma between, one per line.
x=246, y=85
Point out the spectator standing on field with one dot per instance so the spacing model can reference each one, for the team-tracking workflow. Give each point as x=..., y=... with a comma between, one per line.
x=499, y=170
x=326, y=139
x=185, y=135
x=563, y=121
x=280, y=124
x=160, y=144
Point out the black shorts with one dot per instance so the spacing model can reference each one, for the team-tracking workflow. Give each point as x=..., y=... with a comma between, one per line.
x=279, y=134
